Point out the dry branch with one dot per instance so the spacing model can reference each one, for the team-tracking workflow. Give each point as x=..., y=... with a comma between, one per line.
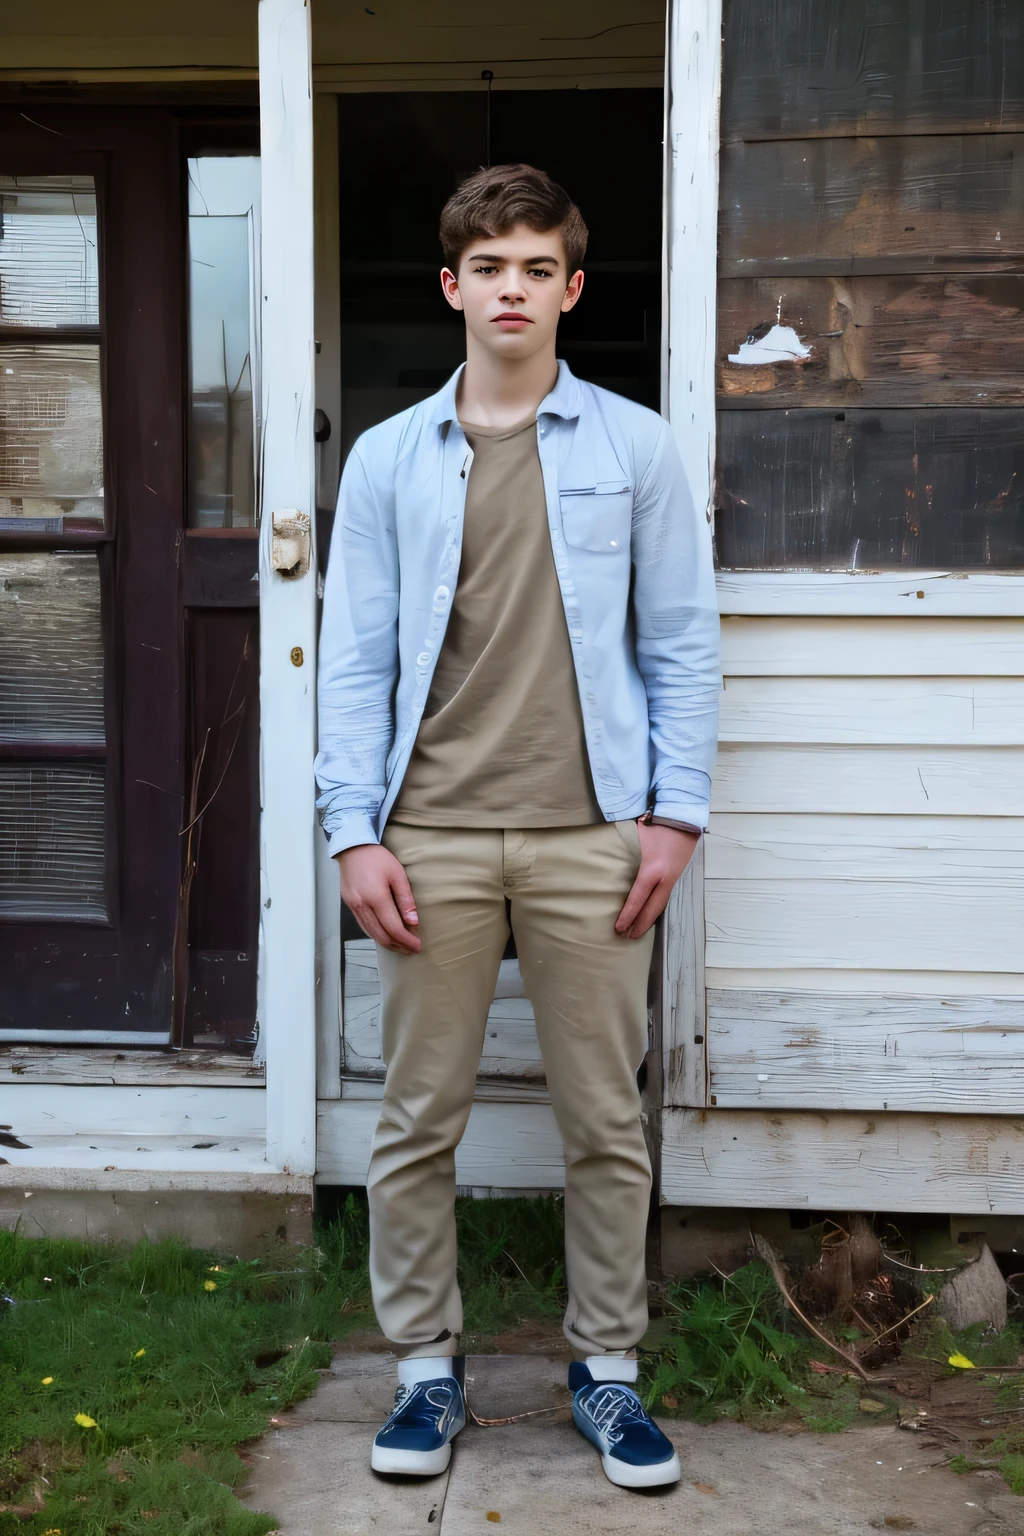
x=767, y=1254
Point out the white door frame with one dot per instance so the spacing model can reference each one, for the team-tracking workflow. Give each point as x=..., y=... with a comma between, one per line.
x=693, y=71
x=287, y=949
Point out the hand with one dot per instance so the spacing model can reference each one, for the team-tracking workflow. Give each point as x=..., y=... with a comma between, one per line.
x=377, y=892
x=664, y=854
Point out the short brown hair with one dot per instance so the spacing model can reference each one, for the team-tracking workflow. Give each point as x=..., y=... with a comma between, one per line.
x=497, y=198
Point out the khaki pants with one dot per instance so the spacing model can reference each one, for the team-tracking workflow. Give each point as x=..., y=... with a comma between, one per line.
x=588, y=988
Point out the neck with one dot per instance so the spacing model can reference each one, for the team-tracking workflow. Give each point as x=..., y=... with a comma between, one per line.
x=501, y=391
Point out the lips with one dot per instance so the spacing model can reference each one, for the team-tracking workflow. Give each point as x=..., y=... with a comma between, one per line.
x=510, y=317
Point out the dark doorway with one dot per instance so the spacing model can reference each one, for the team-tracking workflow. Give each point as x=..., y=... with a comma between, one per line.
x=403, y=154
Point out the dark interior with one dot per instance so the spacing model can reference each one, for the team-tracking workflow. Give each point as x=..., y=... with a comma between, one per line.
x=403, y=154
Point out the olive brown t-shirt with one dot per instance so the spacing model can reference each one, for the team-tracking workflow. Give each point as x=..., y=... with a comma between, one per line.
x=501, y=742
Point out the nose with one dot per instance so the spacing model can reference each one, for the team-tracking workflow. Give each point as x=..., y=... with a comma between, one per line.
x=512, y=292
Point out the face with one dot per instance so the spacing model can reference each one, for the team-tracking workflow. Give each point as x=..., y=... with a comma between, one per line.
x=513, y=289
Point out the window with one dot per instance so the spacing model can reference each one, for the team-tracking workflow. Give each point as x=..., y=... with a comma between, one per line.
x=223, y=243
x=52, y=732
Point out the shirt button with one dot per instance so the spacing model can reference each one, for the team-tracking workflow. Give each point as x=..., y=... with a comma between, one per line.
x=423, y=659
x=441, y=595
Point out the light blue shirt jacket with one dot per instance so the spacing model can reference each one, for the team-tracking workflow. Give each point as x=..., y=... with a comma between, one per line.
x=633, y=558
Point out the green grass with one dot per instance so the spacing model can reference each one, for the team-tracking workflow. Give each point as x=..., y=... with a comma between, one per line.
x=179, y=1362
x=729, y=1348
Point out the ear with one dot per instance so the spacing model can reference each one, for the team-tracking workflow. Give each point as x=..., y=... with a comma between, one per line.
x=450, y=287
x=573, y=291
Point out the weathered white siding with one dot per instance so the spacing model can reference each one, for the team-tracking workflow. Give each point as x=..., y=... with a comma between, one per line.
x=867, y=845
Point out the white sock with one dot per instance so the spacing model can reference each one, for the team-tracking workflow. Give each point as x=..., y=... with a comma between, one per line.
x=617, y=1366
x=424, y=1368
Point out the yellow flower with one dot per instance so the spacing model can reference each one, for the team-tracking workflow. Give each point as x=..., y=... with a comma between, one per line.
x=138, y=1354
x=962, y=1363
x=214, y=1269
x=209, y=1285
x=47, y=1380
x=85, y=1421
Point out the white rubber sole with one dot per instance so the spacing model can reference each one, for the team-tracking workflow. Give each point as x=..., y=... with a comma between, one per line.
x=653, y=1476
x=410, y=1463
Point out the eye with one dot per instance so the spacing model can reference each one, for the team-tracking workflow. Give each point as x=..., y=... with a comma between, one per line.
x=485, y=270
x=539, y=272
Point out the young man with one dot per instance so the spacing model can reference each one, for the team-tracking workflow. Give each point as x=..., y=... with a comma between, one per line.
x=518, y=710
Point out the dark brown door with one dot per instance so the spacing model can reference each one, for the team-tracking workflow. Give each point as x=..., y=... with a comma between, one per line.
x=92, y=456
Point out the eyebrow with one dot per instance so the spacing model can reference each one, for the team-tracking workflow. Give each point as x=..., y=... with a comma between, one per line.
x=532, y=261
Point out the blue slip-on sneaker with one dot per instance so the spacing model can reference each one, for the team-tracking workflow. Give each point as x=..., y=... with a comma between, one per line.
x=417, y=1439
x=634, y=1452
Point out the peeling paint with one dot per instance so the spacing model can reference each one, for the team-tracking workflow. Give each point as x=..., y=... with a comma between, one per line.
x=772, y=344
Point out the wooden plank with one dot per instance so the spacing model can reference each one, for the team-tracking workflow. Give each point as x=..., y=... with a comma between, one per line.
x=855, y=206
x=20, y=1064
x=98, y=1160
x=811, y=1050
x=970, y=711
x=684, y=1059
x=692, y=90
x=510, y=1047
x=288, y=925
x=501, y=1090
x=329, y=1007
x=38, y=1109
x=511, y=1146
x=891, y=1162
x=221, y=45
x=877, y=983
x=931, y=487
x=850, y=66
x=742, y=847
x=911, y=593
x=954, y=924
x=690, y=279
x=893, y=781
x=870, y=341
x=918, y=647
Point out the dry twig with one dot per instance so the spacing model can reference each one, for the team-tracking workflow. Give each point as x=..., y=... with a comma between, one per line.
x=926, y=1303
x=767, y=1254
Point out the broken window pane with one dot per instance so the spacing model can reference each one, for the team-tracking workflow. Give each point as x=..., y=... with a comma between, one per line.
x=51, y=437
x=49, y=275
x=51, y=649
x=51, y=841
x=223, y=236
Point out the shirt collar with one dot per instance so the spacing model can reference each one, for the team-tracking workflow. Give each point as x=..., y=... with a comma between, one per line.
x=563, y=400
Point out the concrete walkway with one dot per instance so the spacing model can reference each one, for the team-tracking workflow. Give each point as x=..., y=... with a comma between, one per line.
x=540, y=1478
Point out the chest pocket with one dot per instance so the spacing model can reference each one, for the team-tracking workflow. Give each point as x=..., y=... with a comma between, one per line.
x=598, y=517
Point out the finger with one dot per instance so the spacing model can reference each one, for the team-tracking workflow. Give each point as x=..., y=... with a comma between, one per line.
x=639, y=892
x=390, y=919
x=651, y=910
x=404, y=898
x=370, y=926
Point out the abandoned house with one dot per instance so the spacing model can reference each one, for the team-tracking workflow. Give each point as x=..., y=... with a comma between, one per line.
x=218, y=265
